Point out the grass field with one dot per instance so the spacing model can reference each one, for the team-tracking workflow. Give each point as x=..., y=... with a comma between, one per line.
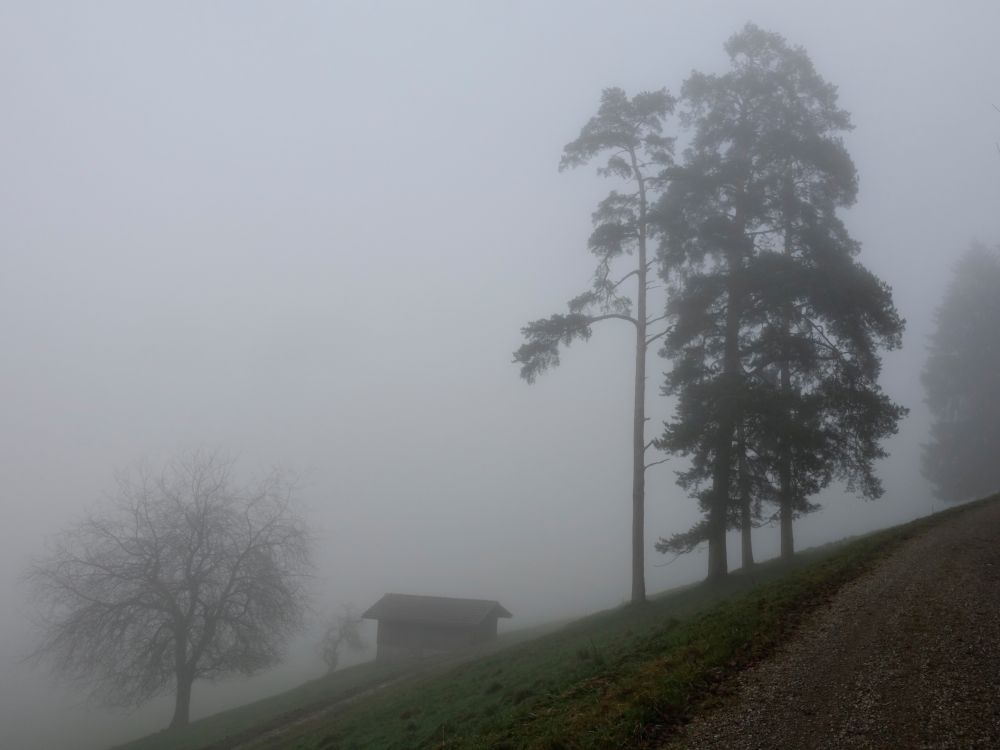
x=622, y=677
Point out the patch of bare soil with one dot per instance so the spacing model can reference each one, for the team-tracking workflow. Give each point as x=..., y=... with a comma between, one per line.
x=906, y=656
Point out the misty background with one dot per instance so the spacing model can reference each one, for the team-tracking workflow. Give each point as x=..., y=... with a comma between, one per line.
x=308, y=234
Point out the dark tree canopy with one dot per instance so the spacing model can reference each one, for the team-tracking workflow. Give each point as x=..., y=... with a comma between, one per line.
x=775, y=325
x=961, y=382
x=183, y=576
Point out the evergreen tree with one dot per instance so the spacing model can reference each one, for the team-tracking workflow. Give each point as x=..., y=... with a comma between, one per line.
x=960, y=379
x=775, y=325
x=630, y=131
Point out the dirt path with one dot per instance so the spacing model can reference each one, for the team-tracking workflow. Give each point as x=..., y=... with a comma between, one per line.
x=907, y=656
x=258, y=736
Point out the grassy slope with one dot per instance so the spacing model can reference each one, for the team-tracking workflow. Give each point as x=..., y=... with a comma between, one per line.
x=223, y=729
x=213, y=729
x=621, y=677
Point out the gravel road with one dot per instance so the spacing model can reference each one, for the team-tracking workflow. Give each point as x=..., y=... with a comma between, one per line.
x=907, y=656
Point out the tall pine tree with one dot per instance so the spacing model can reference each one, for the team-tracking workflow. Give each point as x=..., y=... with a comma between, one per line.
x=630, y=132
x=775, y=325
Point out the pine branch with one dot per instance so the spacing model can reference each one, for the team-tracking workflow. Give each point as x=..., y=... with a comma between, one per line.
x=629, y=275
x=541, y=350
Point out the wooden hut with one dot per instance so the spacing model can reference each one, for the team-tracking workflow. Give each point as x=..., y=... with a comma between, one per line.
x=418, y=626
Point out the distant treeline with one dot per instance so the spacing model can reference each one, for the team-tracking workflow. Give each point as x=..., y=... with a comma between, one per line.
x=962, y=459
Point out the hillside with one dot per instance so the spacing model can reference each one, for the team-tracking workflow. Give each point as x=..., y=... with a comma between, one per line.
x=624, y=677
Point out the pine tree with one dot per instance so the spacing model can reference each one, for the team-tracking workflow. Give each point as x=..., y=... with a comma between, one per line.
x=630, y=132
x=960, y=379
x=775, y=325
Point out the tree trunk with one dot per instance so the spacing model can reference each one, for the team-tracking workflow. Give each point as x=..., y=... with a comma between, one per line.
x=718, y=563
x=787, y=538
x=184, y=677
x=639, y=473
x=639, y=413
x=746, y=519
x=746, y=535
x=182, y=702
x=785, y=488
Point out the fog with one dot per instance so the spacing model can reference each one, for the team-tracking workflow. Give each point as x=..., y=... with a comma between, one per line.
x=308, y=235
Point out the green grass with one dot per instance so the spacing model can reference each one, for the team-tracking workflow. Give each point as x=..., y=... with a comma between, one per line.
x=223, y=729
x=214, y=729
x=623, y=677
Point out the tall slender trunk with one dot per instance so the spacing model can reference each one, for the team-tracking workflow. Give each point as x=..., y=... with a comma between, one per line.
x=639, y=468
x=639, y=412
x=786, y=490
x=718, y=563
x=746, y=520
x=746, y=533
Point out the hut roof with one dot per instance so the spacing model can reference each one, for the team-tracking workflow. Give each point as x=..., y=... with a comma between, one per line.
x=434, y=610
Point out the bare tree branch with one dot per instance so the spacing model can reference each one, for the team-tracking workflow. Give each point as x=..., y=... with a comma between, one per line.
x=655, y=336
x=341, y=630
x=622, y=280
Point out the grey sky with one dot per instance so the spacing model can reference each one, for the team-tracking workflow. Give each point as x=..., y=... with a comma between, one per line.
x=308, y=233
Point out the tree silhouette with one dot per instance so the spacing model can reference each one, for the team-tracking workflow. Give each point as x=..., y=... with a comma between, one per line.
x=775, y=325
x=960, y=379
x=184, y=576
x=630, y=132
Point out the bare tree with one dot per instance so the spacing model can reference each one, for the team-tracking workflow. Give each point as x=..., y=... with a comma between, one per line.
x=184, y=575
x=341, y=630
